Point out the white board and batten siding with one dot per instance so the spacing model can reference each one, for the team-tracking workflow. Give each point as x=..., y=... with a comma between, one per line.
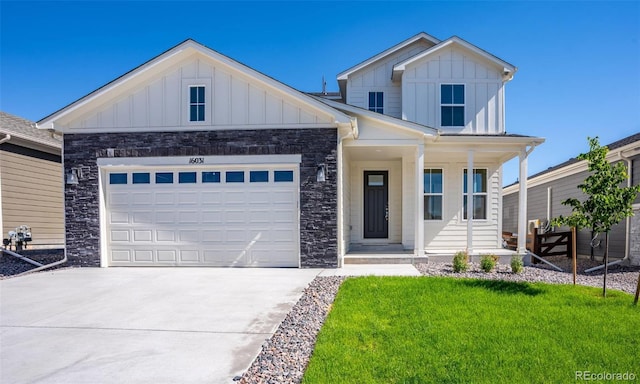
x=232, y=99
x=377, y=78
x=451, y=232
x=484, y=91
x=205, y=219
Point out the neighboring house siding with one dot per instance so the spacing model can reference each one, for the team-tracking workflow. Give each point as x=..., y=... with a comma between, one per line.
x=484, y=91
x=451, y=231
x=377, y=78
x=318, y=200
x=32, y=185
x=230, y=97
x=562, y=189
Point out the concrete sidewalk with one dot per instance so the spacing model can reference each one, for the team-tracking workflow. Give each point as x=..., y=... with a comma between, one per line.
x=141, y=325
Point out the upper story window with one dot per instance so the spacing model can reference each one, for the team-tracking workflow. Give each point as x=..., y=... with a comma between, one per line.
x=376, y=101
x=452, y=105
x=196, y=103
x=479, y=194
x=433, y=194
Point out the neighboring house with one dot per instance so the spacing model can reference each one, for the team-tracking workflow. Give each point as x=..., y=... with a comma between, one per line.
x=548, y=189
x=195, y=159
x=31, y=188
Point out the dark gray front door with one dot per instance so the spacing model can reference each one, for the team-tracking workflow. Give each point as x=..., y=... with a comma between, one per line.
x=376, y=205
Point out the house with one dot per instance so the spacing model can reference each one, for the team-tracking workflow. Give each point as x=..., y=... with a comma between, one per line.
x=196, y=159
x=31, y=188
x=548, y=189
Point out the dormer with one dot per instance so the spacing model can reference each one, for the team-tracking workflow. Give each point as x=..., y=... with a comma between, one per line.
x=456, y=87
x=451, y=85
x=369, y=85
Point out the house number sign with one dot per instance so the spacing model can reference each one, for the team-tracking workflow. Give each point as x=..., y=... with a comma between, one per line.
x=196, y=160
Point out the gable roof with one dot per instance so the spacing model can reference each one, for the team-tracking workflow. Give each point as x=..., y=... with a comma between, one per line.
x=173, y=55
x=26, y=130
x=420, y=36
x=508, y=69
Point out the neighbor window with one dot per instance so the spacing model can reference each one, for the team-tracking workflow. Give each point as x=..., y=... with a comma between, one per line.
x=376, y=100
x=433, y=194
x=479, y=194
x=196, y=103
x=452, y=105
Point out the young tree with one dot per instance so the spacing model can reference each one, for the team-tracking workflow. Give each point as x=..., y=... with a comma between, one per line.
x=607, y=202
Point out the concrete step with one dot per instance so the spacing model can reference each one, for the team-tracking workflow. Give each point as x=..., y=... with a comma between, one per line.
x=384, y=259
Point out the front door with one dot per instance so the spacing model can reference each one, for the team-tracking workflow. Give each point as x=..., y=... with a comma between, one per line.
x=376, y=205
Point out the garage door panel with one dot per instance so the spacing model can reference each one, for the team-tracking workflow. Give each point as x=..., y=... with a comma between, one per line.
x=145, y=217
x=168, y=198
x=167, y=256
x=163, y=235
x=118, y=198
x=189, y=256
x=188, y=217
x=142, y=235
x=143, y=255
x=209, y=224
x=119, y=217
x=141, y=198
x=119, y=235
x=165, y=217
x=188, y=198
x=191, y=236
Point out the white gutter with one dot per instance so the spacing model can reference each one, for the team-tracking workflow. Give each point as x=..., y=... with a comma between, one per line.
x=6, y=138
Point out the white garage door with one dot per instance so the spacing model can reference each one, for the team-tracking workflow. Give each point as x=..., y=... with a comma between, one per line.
x=204, y=216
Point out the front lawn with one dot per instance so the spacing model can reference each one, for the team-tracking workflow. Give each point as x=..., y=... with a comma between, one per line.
x=443, y=330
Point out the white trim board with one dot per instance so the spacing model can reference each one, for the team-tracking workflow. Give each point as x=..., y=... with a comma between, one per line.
x=198, y=160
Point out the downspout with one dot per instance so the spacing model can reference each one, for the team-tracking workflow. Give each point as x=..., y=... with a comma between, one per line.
x=6, y=138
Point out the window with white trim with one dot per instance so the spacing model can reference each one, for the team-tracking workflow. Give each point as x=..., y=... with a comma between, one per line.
x=452, y=105
x=479, y=194
x=376, y=101
x=196, y=103
x=433, y=188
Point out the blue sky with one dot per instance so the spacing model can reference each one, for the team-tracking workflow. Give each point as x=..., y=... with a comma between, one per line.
x=578, y=62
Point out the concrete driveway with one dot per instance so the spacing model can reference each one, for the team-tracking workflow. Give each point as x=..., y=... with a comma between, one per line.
x=141, y=325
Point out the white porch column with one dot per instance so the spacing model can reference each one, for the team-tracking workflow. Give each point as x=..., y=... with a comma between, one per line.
x=419, y=216
x=340, y=184
x=522, y=204
x=470, y=201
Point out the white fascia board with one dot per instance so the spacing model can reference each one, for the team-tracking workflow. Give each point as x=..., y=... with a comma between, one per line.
x=36, y=141
x=571, y=169
x=507, y=67
x=191, y=161
x=381, y=118
x=345, y=74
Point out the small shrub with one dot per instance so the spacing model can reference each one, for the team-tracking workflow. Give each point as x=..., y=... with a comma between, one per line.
x=517, y=265
x=488, y=262
x=460, y=262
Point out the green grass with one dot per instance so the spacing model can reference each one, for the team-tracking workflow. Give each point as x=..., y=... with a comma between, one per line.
x=443, y=330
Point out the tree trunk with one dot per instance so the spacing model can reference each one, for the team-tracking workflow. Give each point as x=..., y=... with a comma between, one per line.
x=635, y=301
x=606, y=262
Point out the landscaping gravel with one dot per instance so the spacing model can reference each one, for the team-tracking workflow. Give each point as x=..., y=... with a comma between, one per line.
x=11, y=266
x=285, y=355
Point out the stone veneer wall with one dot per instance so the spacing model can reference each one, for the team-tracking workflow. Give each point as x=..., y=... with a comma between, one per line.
x=318, y=200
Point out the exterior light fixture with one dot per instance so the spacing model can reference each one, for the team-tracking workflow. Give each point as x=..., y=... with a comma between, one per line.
x=73, y=176
x=321, y=173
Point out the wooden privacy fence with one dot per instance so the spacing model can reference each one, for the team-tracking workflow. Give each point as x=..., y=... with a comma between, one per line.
x=543, y=244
